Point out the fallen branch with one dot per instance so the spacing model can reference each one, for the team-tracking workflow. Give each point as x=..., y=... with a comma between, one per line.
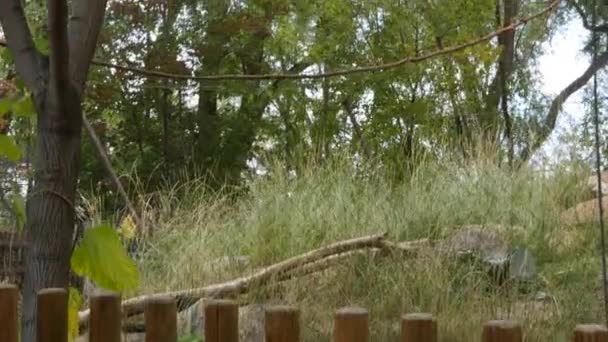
x=240, y=285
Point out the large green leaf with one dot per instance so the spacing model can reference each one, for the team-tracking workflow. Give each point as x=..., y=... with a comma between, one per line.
x=9, y=149
x=101, y=257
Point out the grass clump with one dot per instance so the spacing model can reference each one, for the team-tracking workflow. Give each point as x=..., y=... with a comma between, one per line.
x=281, y=216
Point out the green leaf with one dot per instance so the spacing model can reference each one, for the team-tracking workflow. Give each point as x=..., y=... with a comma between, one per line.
x=101, y=257
x=42, y=44
x=24, y=107
x=5, y=105
x=9, y=149
x=74, y=304
x=18, y=204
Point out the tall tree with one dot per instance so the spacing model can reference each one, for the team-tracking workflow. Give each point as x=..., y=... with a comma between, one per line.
x=57, y=83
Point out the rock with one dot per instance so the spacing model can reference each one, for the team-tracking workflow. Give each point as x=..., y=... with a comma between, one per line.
x=522, y=265
x=251, y=322
x=486, y=244
x=190, y=321
x=483, y=241
x=592, y=183
x=584, y=212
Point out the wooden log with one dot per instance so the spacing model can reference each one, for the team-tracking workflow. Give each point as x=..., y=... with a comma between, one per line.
x=221, y=321
x=160, y=315
x=351, y=325
x=52, y=318
x=105, y=322
x=590, y=333
x=418, y=327
x=282, y=324
x=502, y=331
x=9, y=297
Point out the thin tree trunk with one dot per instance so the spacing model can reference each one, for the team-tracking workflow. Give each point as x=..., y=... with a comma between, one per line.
x=50, y=212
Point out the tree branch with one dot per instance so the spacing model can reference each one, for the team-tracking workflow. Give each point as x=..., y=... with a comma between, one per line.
x=583, y=15
x=59, y=57
x=103, y=157
x=83, y=45
x=29, y=62
x=558, y=101
x=348, y=107
x=84, y=27
x=134, y=306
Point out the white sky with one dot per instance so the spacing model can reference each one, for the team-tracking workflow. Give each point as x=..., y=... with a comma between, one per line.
x=562, y=63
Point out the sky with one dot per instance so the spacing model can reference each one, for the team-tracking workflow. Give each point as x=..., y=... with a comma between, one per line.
x=563, y=62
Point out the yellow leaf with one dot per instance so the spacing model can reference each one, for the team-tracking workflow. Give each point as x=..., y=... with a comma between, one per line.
x=74, y=303
x=127, y=228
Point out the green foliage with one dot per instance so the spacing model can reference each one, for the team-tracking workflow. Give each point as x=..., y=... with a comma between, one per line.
x=24, y=106
x=18, y=206
x=74, y=304
x=9, y=148
x=101, y=257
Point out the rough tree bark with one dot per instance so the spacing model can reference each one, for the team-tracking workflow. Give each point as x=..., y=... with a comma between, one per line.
x=57, y=83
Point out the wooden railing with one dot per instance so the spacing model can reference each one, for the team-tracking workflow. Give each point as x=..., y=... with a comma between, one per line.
x=282, y=323
x=11, y=257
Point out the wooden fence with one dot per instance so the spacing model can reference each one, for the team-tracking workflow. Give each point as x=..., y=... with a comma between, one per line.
x=11, y=257
x=282, y=323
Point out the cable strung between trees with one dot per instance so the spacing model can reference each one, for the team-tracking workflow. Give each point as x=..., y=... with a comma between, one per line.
x=345, y=72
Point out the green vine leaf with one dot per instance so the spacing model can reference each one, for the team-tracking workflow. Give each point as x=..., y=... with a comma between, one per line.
x=101, y=257
x=9, y=148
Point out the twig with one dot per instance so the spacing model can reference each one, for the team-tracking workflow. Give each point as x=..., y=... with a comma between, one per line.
x=344, y=72
x=105, y=160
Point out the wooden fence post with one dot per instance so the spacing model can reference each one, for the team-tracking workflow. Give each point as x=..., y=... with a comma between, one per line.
x=418, y=327
x=221, y=321
x=160, y=315
x=105, y=319
x=590, y=333
x=52, y=320
x=9, y=297
x=502, y=331
x=282, y=324
x=351, y=325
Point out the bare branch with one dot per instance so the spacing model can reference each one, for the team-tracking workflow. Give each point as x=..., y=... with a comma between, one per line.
x=84, y=27
x=134, y=306
x=110, y=170
x=583, y=15
x=19, y=40
x=558, y=101
x=348, y=107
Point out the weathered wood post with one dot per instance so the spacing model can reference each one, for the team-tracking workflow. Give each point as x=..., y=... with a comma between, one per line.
x=282, y=324
x=221, y=321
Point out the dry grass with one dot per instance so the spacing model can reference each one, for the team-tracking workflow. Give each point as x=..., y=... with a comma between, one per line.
x=280, y=217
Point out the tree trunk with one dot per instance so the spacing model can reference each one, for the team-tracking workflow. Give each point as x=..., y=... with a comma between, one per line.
x=50, y=212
